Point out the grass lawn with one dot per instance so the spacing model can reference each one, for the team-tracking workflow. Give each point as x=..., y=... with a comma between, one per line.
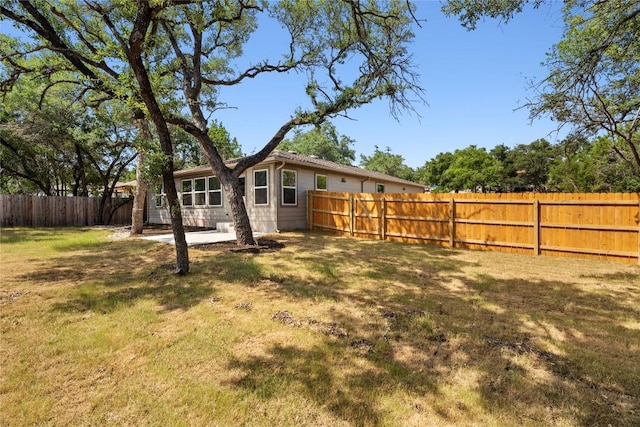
x=325, y=331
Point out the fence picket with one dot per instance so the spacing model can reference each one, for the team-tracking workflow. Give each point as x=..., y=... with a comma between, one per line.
x=594, y=226
x=55, y=211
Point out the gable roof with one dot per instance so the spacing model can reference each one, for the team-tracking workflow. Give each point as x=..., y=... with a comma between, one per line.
x=311, y=162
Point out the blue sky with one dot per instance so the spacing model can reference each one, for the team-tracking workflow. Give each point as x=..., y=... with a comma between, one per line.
x=473, y=81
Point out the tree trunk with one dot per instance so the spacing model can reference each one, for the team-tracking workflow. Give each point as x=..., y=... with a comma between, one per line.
x=182, y=251
x=137, y=212
x=134, y=55
x=231, y=184
x=101, y=209
x=241, y=223
x=80, y=188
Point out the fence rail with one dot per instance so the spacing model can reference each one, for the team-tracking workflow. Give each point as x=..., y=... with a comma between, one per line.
x=600, y=226
x=56, y=211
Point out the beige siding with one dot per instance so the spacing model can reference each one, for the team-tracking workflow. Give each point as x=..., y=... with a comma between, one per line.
x=295, y=217
x=205, y=216
x=400, y=189
x=262, y=217
x=156, y=215
x=351, y=184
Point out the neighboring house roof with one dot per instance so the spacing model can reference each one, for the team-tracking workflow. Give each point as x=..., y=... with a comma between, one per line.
x=312, y=162
x=125, y=187
x=128, y=184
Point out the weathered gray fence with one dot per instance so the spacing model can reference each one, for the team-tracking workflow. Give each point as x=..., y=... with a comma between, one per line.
x=57, y=211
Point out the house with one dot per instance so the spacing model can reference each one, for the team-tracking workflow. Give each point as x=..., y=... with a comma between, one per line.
x=275, y=191
x=124, y=189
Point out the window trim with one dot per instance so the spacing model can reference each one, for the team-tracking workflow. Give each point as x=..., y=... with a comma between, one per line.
x=160, y=196
x=185, y=193
x=196, y=192
x=209, y=191
x=378, y=185
x=288, y=187
x=326, y=182
x=265, y=187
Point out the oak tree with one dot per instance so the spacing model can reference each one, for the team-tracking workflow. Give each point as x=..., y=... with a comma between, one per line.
x=169, y=60
x=386, y=162
x=322, y=141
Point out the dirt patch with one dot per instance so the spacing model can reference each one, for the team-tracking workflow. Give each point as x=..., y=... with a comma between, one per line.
x=262, y=245
x=285, y=318
x=327, y=328
x=362, y=346
x=246, y=306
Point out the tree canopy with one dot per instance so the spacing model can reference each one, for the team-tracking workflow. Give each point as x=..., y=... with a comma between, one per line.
x=169, y=61
x=473, y=169
x=575, y=164
x=388, y=163
x=63, y=147
x=322, y=141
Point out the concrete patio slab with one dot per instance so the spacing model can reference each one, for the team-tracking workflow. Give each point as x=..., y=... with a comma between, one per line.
x=198, y=237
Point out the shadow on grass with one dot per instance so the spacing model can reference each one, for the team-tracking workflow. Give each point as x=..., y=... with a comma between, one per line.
x=104, y=299
x=540, y=352
x=113, y=275
x=620, y=276
x=469, y=348
x=322, y=374
x=19, y=235
x=568, y=354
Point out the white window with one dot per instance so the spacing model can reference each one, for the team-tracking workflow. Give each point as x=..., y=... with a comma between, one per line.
x=321, y=182
x=260, y=187
x=215, y=192
x=289, y=187
x=379, y=188
x=160, y=196
x=187, y=195
x=199, y=191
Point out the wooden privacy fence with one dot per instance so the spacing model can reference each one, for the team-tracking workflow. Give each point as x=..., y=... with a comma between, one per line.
x=56, y=211
x=601, y=226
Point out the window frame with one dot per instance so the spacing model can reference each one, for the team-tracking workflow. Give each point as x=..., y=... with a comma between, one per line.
x=378, y=185
x=289, y=187
x=262, y=187
x=160, y=196
x=184, y=193
x=326, y=182
x=210, y=192
x=197, y=192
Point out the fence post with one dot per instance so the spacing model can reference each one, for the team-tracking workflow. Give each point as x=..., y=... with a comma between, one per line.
x=536, y=227
x=352, y=214
x=383, y=219
x=452, y=222
x=638, y=216
x=309, y=211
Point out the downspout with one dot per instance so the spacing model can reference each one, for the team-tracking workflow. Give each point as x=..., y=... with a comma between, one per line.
x=277, y=178
x=362, y=181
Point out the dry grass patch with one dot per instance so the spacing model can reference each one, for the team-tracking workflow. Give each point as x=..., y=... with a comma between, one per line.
x=322, y=331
